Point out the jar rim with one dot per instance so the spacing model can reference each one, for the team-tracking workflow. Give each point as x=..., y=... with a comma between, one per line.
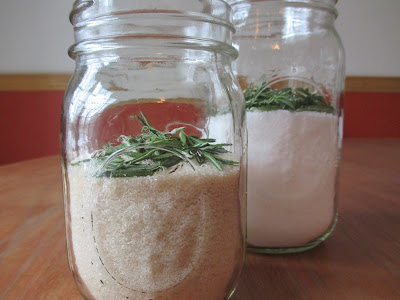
x=327, y=5
x=85, y=10
x=329, y=2
x=190, y=19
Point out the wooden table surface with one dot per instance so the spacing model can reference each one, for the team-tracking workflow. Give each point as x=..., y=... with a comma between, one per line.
x=360, y=260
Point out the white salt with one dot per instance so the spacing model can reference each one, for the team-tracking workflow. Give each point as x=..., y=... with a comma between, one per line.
x=174, y=236
x=292, y=167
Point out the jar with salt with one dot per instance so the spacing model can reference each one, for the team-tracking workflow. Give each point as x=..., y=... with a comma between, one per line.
x=154, y=151
x=291, y=68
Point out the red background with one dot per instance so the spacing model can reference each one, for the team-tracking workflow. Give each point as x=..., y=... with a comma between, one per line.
x=30, y=121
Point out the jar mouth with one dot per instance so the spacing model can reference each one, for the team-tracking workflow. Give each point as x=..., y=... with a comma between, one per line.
x=90, y=9
x=189, y=19
x=326, y=2
x=328, y=5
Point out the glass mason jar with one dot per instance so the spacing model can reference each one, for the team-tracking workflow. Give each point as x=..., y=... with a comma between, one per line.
x=153, y=151
x=291, y=68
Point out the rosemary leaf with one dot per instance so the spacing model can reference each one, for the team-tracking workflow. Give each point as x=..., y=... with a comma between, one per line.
x=263, y=97
x=213, y=160
x=154, y=150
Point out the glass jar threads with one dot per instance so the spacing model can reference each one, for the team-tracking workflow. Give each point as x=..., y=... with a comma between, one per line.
x=153, y=149
x=291, y=68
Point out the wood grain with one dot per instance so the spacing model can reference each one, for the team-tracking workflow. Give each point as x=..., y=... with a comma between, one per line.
x=34, y=82
x=373, y=84
x=59, y=82
x=361, y=260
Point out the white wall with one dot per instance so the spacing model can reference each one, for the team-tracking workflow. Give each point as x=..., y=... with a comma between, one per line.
x=370, y=31
x=35, y=36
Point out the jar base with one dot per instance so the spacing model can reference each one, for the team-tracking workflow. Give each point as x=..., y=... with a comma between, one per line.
x=295, y=249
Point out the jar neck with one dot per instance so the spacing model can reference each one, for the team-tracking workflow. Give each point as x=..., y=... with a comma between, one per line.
x=163, y=50
x=265, y=18
x=149, y=57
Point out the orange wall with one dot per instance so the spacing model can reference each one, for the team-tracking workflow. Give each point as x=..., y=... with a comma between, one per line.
x=375, y=115
x=29, y=124
x=30, y=121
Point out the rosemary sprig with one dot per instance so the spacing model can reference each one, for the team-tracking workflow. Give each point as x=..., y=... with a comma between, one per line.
x=263, y=97
x=155, y=150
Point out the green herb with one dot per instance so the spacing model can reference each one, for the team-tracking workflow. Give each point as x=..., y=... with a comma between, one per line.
x=263, y=97
x=154, y=150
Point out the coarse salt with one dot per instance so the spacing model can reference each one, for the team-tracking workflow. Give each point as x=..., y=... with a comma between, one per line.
x=166, y=236
x=292, y=167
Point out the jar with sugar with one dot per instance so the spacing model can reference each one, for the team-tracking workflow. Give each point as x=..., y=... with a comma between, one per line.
x=154, y=151
x=291, y=68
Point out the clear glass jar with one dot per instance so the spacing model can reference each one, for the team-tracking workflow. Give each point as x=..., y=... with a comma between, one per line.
x=291, y=67
x=153, y=147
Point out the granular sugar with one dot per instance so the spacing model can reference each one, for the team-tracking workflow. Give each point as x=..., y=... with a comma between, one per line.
x=293, y=158
x=174, y=236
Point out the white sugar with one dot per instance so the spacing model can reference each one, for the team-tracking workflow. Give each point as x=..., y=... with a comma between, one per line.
x=175, y=236
x=293, y=159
